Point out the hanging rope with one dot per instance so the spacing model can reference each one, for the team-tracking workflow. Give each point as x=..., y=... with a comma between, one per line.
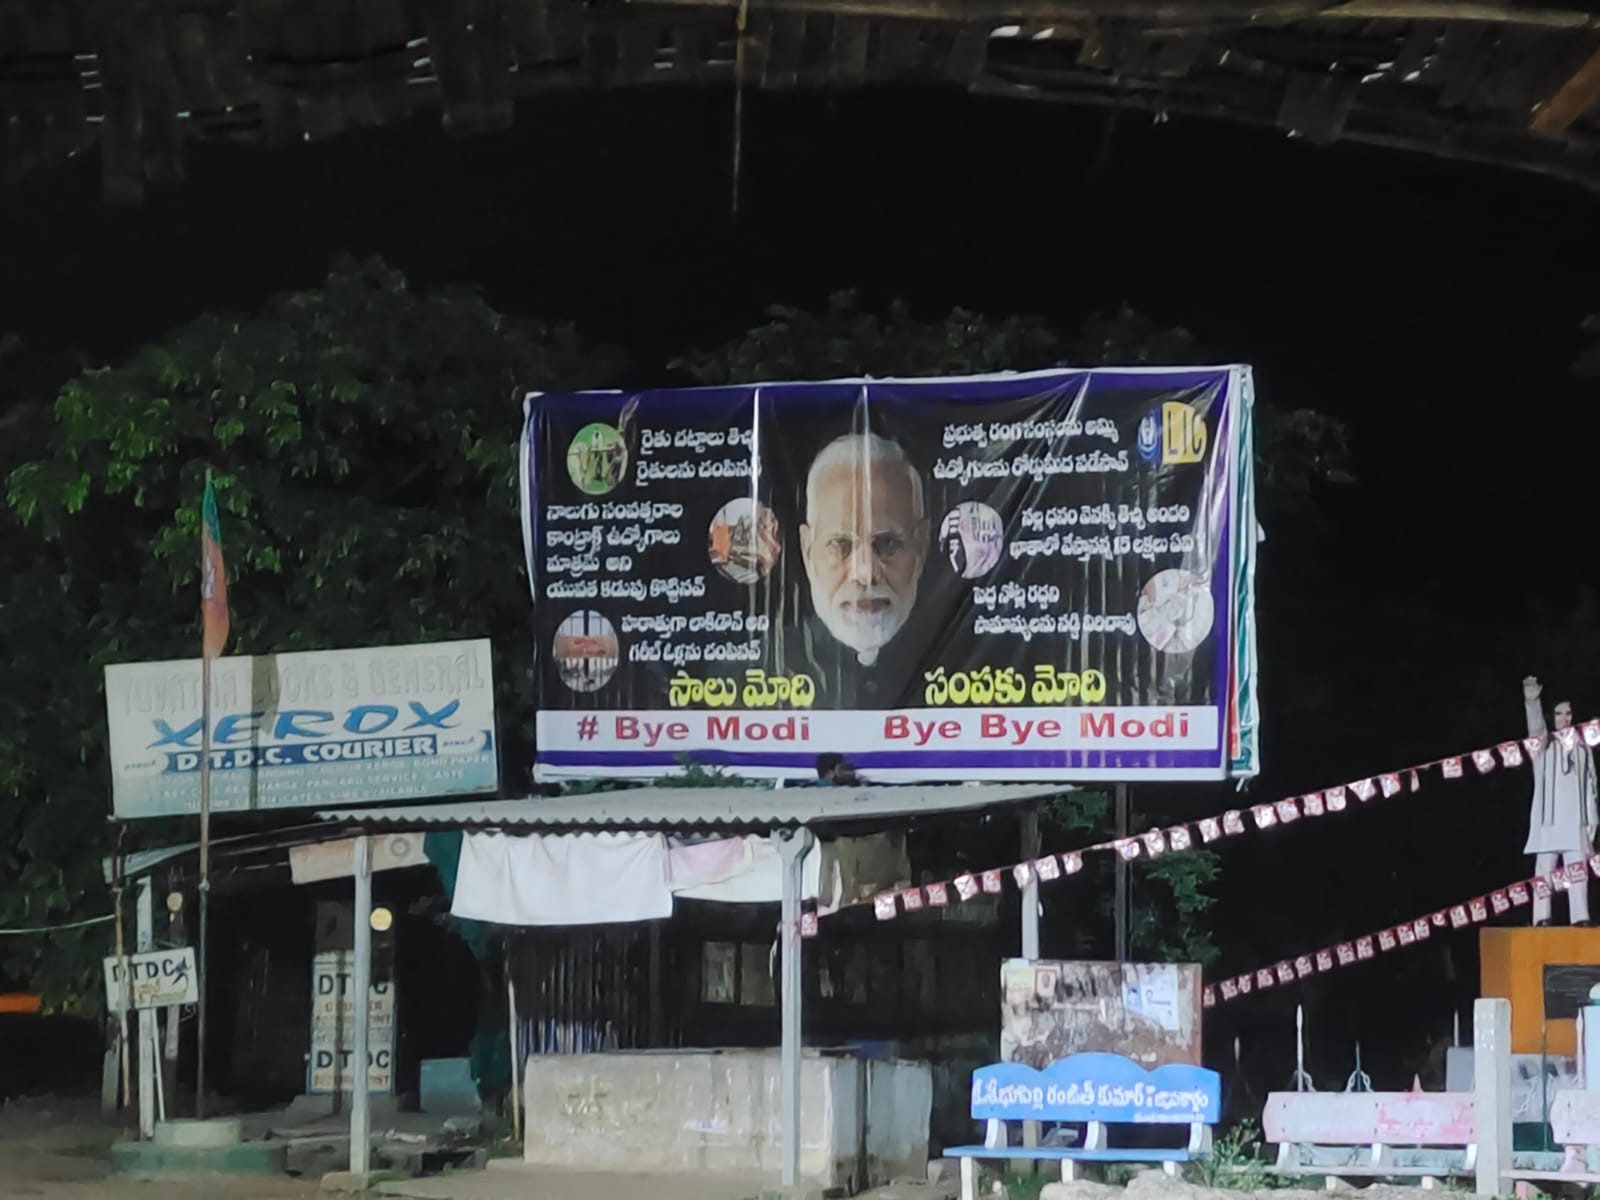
x=56, y=928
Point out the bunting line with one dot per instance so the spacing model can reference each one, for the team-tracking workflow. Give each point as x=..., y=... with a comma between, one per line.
x=1475, y=911
x=1233, y=822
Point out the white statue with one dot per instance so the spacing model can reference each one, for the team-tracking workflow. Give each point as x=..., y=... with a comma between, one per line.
x=1562, y=819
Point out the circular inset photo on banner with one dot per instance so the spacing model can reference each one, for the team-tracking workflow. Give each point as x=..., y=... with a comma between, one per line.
x=972, y=537
x=597, y=459
x=744, y=540
x=586, y=651
x=1175, y=611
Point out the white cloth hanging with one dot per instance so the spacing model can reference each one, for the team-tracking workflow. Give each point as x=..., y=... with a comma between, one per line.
x=565, y=879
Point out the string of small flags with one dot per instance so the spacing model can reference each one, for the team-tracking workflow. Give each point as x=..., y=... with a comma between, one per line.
x=1407, y=933
x=1234, y=822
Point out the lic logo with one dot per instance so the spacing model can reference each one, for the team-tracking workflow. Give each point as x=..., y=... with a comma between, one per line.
x=1175, y=433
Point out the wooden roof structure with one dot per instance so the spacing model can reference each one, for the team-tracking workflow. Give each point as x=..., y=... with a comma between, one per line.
x=1510, y=83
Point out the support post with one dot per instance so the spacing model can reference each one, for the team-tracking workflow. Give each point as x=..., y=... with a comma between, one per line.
x=123, y=1044
x=1030, y=894
x=792, y=846
x=361, y=985
x=513, y=1026
x=1030, y=932
x=202, y=958
x=145, y=940
x=657, y=1033
x=1491, y=1085
x=1119, y=901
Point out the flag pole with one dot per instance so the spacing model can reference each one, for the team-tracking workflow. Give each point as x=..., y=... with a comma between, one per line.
x=205, y=883
x=213, y=637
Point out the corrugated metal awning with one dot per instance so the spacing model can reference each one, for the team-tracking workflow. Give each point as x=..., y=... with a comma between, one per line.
x=715, y=807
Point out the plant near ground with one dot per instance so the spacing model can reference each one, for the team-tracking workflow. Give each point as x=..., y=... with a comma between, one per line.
x=1235, y=1161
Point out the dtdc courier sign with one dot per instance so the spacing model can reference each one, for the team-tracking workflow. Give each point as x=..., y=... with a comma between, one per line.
x=300, y=730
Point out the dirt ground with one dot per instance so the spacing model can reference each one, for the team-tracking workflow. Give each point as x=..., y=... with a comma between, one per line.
x=58, y=1149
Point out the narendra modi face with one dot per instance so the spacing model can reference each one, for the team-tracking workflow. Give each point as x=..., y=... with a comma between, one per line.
x=864, y=540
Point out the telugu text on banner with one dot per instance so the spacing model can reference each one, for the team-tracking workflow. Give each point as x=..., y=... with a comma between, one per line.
x=1037, y=576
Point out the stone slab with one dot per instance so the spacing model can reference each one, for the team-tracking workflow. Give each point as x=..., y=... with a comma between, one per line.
x=147, y=1160
x=511, y=1179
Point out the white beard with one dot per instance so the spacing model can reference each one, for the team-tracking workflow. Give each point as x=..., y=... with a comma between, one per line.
x=865, y=633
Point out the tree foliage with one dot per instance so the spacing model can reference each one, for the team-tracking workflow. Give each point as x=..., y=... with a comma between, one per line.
x=362, y=435
x=1296, y=450
x=363, y=439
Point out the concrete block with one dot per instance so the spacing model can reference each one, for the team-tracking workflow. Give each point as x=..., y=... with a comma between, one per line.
x=197, y=1135
x=148, y=1160
x=446, y=1086
x=1079, y=1189
x=799, y=1191
x=352, y=1181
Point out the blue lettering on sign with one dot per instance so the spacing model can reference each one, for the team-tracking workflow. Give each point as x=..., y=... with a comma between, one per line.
x=241, y=758
x=364, y=720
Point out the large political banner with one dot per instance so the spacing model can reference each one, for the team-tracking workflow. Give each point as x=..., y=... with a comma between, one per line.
x=1030, y=576
x=322, y=727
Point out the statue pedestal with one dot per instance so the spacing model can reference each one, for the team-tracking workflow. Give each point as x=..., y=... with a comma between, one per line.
x=1546, y=974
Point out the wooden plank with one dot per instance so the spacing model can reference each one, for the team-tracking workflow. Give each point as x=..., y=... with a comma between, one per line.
x=786, y=33
x=1367, y=1118
x=1193, y=14
x=849, y=59
x=1574, y=98
x=1422, y=41
x=1465, y=54
x=816, y=50
x=1316, y=105
x=968, y=55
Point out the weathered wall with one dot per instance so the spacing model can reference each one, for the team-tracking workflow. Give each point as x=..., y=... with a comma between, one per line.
x=720, y=1111
x=899, y=1101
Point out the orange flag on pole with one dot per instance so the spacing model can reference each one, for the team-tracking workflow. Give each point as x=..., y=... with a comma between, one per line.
x=213, y=578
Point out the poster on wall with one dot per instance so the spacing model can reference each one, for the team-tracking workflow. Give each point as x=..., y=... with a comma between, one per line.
x=1031, y=576
x=323, y=727
x=153, y=979
x=1149, y=1012
x=333, y=1012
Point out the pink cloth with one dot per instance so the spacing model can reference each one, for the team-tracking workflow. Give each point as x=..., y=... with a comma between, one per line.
x=715, y=860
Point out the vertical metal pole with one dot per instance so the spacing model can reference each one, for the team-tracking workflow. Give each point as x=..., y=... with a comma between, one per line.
x=1120, y=899
x=657, y=1032
x=124, y=1047
x=145, y=940
x=1030, y=934
x=1491, y=1085
x=1030, y=894
x=512, y=1027
x=202, y=963
x=792, y=847
x=361, y=984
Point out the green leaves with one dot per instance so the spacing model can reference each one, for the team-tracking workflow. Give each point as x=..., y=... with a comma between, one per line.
x=362, y=439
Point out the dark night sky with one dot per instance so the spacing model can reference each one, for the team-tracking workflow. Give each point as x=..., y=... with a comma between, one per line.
x=1432, y=306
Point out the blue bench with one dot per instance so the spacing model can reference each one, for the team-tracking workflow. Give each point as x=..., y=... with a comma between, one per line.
x=1095, y=1090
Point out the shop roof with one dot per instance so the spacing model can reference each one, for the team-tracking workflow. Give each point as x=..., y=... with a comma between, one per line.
x=707, y=807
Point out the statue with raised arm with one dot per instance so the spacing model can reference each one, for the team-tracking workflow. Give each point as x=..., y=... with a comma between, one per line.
x=1562, y=819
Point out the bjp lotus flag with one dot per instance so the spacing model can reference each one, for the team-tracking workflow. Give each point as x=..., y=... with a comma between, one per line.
x=213, y=578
